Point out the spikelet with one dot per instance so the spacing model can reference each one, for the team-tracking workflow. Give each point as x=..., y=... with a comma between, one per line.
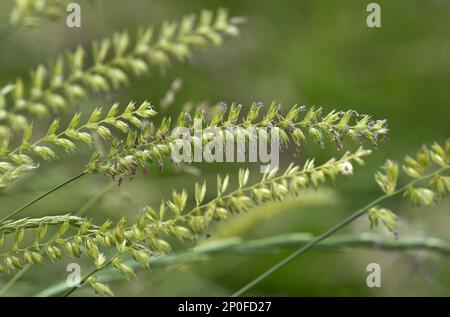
x=430, y=181
x=148, y=236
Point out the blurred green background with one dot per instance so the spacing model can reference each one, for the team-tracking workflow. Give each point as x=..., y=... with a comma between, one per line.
x=312, y=52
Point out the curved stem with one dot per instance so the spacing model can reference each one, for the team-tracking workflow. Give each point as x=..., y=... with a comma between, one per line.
x=308, y=246
x=249, y=188
x=84, y=280
x=28, y=204
x=238, y=246
x=329, y=232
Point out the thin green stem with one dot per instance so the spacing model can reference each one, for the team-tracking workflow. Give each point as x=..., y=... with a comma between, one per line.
x=308, y=246
x=35, y=200
x=84, y=280
x=14, y=279
x=329, y=232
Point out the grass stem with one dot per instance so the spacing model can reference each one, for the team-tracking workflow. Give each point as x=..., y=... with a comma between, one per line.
x=328, y=233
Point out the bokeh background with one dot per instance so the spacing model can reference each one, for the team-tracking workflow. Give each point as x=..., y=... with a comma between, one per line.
x=312, y=52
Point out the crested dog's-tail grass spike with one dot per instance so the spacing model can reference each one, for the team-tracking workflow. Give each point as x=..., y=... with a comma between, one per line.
x=433, y=172
x=144, y=144
x=113, y=60
x=148, y=236
x=41, y=131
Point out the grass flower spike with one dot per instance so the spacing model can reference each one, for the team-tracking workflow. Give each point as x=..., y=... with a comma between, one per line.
x=54, y=87
x=147, y=238
x=20, y=160
x=50, y=127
